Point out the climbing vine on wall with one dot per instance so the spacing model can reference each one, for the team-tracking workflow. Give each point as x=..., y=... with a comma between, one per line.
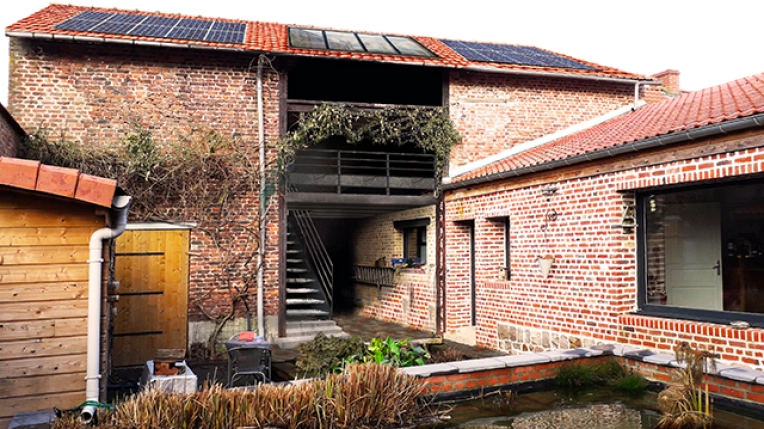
x=201, y=177
x=429, y=128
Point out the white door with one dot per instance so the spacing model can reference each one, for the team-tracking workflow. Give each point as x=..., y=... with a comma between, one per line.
x=693, y=255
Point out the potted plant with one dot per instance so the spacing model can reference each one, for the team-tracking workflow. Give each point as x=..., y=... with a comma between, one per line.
x=545, y=264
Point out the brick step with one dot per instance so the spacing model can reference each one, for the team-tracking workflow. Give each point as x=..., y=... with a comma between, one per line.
x=306, y=312
x=297, y=270
x=293, y=342
x=294, y=261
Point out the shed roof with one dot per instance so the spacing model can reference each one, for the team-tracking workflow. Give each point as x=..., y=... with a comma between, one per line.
x=64, y=182
x=274, y=38
x=737, y=99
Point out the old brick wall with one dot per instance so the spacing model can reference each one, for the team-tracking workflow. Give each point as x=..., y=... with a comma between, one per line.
x=11, y=133
x=93, y=94
x=592, y=286
x=412, y=300
x=494, y=112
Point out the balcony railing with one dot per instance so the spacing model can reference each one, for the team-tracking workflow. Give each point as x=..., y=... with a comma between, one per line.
x=378, y=276
x=360, y=172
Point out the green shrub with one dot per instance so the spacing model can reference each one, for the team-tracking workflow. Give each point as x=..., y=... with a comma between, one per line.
x=325, y=354
x=631, y=384
x=584, y=375
x=391, y=352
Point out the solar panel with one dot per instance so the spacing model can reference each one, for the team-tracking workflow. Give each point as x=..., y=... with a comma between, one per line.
x=355, y=42
x=156, y=26
x=508, y=54
x=226, y=32
x=192, y=29
x=83, y=21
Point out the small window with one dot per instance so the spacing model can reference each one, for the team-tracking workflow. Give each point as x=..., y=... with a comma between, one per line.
x=415, y=245
x=306, y=38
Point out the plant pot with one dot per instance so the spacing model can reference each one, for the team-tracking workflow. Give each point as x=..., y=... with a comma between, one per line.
x=545, y=264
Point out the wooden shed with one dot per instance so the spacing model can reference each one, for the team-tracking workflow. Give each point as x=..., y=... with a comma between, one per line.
x=47, y=216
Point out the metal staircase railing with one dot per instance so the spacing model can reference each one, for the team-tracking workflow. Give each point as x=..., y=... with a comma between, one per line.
x=317, y=253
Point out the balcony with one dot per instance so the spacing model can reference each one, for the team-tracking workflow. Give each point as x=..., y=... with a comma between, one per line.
x=360, y=183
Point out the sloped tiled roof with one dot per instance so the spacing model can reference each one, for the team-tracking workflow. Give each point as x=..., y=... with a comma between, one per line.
x=63, y=182
x=273, y=38
x=736, y=99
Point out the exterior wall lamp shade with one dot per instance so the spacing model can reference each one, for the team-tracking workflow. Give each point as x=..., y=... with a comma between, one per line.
x=545, y=264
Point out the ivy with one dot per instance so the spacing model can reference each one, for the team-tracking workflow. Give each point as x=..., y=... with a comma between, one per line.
x=428, y=128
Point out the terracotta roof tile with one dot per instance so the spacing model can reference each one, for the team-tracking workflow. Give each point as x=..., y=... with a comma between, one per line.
x=65, y=182
x=274, y=38
x=736, y=99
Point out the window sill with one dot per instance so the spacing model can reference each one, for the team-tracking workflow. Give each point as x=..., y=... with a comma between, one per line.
x=696, y=315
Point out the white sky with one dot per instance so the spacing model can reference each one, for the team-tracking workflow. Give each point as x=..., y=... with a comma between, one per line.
x=708, y=42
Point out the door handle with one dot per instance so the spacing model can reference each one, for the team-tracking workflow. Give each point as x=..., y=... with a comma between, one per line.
x=718, y=267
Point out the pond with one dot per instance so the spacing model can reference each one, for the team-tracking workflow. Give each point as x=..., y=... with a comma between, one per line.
x=587, y=410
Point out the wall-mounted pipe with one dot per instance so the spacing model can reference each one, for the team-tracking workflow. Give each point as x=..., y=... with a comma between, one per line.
x=261, y=200
x=120, y=207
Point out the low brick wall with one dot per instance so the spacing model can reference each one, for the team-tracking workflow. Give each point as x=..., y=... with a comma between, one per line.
x=453, y=380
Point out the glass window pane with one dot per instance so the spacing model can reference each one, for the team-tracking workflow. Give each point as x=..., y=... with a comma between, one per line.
x=408, y=46
x=307, y=39
x=705, y=248
x=377, y=44
x=342, y=41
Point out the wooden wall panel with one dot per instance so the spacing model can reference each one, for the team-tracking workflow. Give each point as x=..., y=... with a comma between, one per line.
x=43, y=301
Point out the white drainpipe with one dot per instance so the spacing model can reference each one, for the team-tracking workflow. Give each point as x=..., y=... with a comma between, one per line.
x=120, y=206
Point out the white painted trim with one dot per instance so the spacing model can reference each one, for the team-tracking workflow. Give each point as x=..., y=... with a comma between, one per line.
x=522, y=147
x=144, y=226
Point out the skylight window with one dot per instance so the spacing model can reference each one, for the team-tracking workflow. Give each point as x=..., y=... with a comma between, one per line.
x=356, y=42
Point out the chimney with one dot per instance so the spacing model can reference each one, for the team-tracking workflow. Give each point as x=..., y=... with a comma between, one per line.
x=670, y=79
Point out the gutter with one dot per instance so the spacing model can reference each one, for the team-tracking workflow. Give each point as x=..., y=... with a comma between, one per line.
x=726, y=127
x=119, y=207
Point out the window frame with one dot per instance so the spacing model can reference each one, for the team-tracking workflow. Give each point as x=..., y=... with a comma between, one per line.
x=421, y=240
x=672, y=312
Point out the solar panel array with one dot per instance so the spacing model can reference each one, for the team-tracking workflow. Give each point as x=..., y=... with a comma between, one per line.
x=129, y=24
x=508, y=54
x=355, y=42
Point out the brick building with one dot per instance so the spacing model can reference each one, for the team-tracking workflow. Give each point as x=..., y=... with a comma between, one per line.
x=653, y=220
x=92, y=74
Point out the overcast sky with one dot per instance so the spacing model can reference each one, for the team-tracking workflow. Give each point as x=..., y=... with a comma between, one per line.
x=709, y=43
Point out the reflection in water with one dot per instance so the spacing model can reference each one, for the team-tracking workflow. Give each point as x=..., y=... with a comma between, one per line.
x=605, y=416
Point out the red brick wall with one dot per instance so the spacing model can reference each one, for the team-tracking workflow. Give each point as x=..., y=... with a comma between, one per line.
x=494, y=112
x=92, y=94
x=592, y=285
x=10, y=134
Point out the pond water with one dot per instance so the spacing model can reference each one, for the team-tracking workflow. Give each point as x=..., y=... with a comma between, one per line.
x=561, y=410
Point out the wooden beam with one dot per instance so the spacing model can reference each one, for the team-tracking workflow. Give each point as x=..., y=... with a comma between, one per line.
x=12, y=331
x=44, y=273
x=42, y=310
x=43, y=366
x=43, y=255
x=45, y=236
x=25, y=292
x=33, y=348
x=42, y=385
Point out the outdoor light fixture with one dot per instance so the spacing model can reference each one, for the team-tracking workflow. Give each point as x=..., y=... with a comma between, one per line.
x=548, y=192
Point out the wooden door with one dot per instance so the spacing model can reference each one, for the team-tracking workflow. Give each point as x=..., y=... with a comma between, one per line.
x=152, y=269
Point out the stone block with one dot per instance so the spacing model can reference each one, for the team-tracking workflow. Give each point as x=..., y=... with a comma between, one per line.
x=474, y=365
x=431, y=370
x=523, y=359
x=659, y=359
x=741, y=374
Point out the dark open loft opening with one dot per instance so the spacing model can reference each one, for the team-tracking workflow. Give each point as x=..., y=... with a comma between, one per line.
x=364, y=82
